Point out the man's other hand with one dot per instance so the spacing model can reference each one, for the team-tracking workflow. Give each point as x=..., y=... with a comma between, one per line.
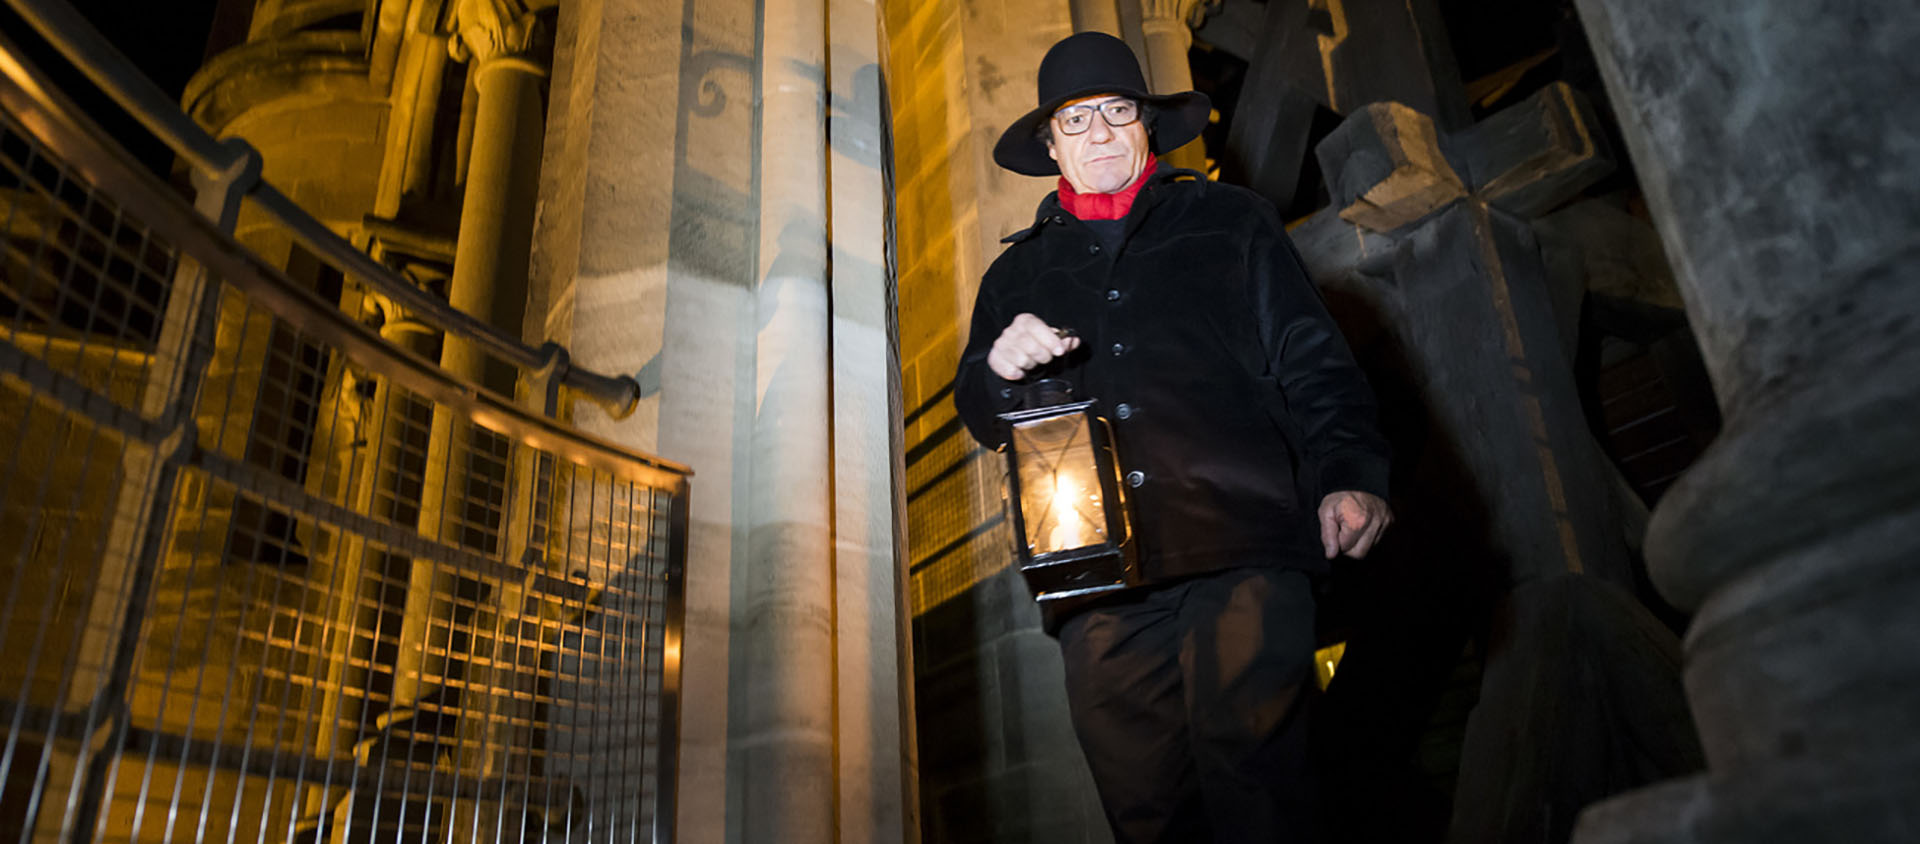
x=1027, y=343
x=1351, y=522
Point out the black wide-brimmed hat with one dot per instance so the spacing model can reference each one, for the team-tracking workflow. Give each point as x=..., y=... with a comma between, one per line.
x=1085, y=65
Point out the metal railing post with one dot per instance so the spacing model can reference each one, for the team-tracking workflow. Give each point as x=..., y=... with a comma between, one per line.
x=149, y=481
x=672, y=628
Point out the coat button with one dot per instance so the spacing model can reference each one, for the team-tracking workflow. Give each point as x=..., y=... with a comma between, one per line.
x=1119, y=349
x=1124, y=411
x=1113, y=295
x=1057, y=221
x=1006, y=392
x=1135, y=478
x=1093, y=249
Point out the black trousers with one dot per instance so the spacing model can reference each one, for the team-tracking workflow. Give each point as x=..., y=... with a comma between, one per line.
x=1191, y=701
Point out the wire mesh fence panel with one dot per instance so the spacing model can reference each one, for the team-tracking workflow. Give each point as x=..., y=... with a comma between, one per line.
x=265, y=578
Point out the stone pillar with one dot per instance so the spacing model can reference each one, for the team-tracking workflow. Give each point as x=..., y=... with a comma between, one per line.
x=1168, y=37
x=1781, y=176
x=711, y=219
x=878, y=801
x=783, y=746
x=503, y=176
x=489, y=280
x=1096, y=16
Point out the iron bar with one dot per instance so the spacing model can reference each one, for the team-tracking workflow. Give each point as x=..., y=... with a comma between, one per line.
x=211, y=642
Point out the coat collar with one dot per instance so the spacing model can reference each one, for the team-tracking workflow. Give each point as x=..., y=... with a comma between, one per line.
x=1151, y=194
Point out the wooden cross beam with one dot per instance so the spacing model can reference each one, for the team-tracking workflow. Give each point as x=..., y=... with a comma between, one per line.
x=1432, y=232
x=1343, y=55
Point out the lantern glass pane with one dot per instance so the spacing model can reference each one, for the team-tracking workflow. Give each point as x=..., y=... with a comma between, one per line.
x=1060, y=497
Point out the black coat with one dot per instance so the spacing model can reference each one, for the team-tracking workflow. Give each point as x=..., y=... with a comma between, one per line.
x=1227, y=384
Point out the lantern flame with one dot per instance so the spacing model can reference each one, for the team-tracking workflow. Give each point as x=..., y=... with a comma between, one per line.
x=1069, y=530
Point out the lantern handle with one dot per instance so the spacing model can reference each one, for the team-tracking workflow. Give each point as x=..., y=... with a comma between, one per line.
x=1119, y=483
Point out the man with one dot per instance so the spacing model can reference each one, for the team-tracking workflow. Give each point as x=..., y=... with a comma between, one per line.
x=1247, y=431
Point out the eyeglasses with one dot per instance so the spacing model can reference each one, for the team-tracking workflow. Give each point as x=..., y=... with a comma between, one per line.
x=1075, y=119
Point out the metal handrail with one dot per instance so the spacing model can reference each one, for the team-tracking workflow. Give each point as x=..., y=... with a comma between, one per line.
x=115, y=75
x=170, y=216
x=92, y=159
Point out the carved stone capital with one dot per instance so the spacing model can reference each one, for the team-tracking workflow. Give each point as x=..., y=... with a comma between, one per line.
x=484, y=30
x=1159, y=15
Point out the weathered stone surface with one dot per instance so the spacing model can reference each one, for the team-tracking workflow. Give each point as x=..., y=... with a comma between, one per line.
x=1768, y=155
x=1778, y=478
x=297, y=65
x=1853, y=594
x=1795, y=802
x=705, y=189
x=1782, y=187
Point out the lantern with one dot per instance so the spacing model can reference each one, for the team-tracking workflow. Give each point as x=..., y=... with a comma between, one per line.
x=1071, y=531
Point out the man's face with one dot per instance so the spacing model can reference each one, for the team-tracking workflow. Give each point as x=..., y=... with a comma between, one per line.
x=1104, y=158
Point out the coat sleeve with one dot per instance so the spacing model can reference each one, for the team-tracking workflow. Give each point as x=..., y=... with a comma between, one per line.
x=978, y=394
x=1324, y=391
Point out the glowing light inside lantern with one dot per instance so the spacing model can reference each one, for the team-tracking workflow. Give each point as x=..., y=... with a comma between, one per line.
x=1060, y=463
x=1069, y=530
x=1060, y=484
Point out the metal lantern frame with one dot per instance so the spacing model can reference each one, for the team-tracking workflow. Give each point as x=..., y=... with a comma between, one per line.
x=1103, y=566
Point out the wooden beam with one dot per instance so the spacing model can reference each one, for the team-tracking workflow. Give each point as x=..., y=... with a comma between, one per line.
x=1376, y=51
x=1267, y=144
x=1384, y=168
x=1532, y=157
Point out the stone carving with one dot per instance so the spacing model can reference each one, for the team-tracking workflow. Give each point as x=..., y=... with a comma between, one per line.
x=1166, y=14
x=490, y=29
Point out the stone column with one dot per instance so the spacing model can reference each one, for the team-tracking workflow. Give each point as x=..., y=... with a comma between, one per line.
x=711, y=218
x=783, y=746
x=489, y=278
x=1781, y=176
x=878, y=801
x=1096, y=16
x=1164, y=23
x=503, y=175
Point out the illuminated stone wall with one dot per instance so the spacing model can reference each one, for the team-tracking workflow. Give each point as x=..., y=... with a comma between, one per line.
x=998, y=761
x=713, y=220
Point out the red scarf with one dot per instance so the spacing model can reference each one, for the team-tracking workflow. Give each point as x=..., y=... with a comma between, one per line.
x=1104, y=206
